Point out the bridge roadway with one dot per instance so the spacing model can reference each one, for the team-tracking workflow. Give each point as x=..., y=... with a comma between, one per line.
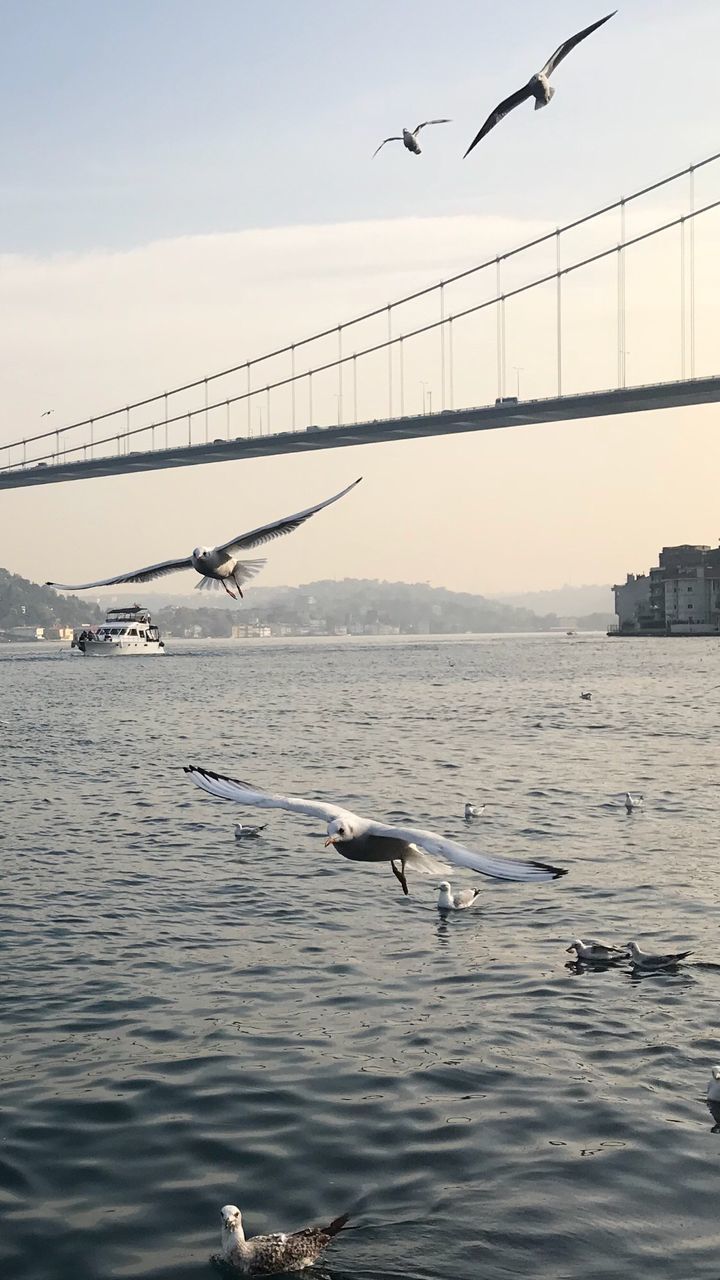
x=662, y=395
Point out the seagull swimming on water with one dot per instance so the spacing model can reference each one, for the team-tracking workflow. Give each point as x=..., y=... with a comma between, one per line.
x=219, y=565
x=364, y=840
x=713, y=1089
x=633, y=801
x=449, y=901
x=473, y=810
x=538, y=86
x=649, y=960
x=244, y=832
x=409, y=138
x=274, y=1254
x=591, y=949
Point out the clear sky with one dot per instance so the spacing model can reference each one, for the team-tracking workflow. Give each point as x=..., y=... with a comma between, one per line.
x=183, y=183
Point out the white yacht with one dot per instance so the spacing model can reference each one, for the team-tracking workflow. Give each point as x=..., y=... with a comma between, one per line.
x=124, y=631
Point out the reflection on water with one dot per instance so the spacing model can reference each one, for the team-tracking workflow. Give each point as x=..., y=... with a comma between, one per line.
x=189, y=1021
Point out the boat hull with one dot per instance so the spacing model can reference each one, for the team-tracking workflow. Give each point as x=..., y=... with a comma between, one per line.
x=111, y=649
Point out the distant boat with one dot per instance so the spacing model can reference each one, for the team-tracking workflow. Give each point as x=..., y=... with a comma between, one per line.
x=124, y=631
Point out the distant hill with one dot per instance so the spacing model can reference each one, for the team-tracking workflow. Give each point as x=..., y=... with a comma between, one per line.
x=567, y=602
x=356, y=605
x=24, y=603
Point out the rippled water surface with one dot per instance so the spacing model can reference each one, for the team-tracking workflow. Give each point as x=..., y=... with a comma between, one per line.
x=188, y=1021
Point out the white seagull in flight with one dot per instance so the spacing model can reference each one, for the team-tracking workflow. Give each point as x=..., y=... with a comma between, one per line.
x=217, y=566
x=538, y=86
x=409, y=139
x=363, y=840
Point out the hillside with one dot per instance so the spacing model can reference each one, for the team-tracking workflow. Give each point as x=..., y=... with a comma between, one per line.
x=26, y=604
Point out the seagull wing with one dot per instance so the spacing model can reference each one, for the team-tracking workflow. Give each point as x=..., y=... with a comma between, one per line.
x=266, y=532
x=136, y=575
x=565, y=48
x=218, y=784
x=465, y=897
x=395, y=138
x=503, y=109
x=460, y=856
x=425, y=123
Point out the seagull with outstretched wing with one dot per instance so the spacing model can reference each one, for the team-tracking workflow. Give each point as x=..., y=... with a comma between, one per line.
x=538, y=86
x=409, y=137
x=217, y=566
x=364, y=840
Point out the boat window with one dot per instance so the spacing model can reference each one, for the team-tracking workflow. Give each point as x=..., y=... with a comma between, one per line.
x=132, y=631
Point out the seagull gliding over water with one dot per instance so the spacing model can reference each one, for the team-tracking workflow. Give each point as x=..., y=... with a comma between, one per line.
x=408, y=138
x=217, y=566
x=364, y=840
x=538, y=86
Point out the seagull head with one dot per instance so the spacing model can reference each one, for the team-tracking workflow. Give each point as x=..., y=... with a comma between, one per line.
x=444, y=887
x=576, y=946
x=201, y=553
x=633, y=948
x=338, y=830
x=231, y=1217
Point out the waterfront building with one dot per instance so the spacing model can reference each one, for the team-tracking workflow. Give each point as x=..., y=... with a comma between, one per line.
x=679, y=596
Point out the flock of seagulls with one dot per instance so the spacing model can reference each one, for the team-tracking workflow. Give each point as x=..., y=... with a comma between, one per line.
x=360, y=839
x=537, y=87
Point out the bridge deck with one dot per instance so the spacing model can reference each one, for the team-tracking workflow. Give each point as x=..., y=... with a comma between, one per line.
x=663, y=395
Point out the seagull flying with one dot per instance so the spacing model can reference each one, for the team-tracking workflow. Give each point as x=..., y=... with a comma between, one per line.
x=538, y=86
x=648, y=960
x=243, y=832
x=275, y=1254
x=633, y=801
x=713, y=1089
x=592, y=949
x=217, y=566
x=449, y=901
x=409, y=139
x=473, y=810
x=363, y=840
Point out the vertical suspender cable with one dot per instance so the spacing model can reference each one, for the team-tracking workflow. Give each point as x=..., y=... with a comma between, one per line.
x=452, y=368
x=249, y=400
x=558, y=310
x=442, y=345
x=340, y=377
x=355, y=414
x=390, y=356
x=292, y=383
x=402, y=379
x=682, y=298
x=691, y=266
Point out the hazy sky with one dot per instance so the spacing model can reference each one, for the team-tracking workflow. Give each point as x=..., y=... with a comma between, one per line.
x=186, y=184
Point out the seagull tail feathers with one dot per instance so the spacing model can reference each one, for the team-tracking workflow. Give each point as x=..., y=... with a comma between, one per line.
x=425, y=863
x=337, y=1224
x=542, y=102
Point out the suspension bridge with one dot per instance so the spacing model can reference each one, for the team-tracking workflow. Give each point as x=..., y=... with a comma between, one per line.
x=632, y=285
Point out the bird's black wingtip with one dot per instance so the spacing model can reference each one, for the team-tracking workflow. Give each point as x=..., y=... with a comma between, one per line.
x=555, y=871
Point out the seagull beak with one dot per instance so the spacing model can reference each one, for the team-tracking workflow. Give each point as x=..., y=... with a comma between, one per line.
x=569, y=949
x=330, y=840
